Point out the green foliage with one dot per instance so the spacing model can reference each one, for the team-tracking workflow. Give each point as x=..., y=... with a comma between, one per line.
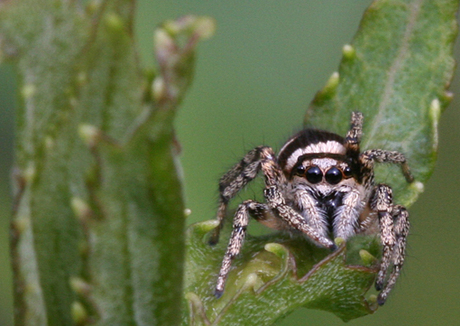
x=99, y=201
x=396, y=72
x=99, y=208
x=275, y=275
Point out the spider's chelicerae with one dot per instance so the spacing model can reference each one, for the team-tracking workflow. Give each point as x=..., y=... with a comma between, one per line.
x=323, y=186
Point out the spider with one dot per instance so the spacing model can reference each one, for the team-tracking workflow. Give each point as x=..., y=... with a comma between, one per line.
x=322, y=186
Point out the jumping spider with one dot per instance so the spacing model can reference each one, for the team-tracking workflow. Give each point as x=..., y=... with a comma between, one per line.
x=323, y=186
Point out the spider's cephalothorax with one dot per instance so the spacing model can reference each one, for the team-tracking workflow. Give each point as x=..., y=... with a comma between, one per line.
x=322, y=186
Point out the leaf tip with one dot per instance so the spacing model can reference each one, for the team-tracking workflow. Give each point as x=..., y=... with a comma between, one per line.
x=163, y=42
x=417, y=187
x=159, y=89
x=79, y=313
x=332, y=82
x=80, y=208
x=82, y=78
x=79, y=286
x=372, y=299
x=92, y=7
x=89, y=133
x=366, y=257
x=205, y=27
x=348, y=52
x=28, y=91
x=205, y=227
x=187, y=212
x=192, y=297
x=435, y=109
x=20, y=224
x=414, y=190
x=329, y=89
x=197, y=308
x=435, y=114
x=252, y=282
x=30, y=173
x=446, y=98
x=49, y=143
x=277, y=249
x=114, y=22
x=339, y=241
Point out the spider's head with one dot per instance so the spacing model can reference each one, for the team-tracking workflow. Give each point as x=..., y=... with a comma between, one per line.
x=316, y=159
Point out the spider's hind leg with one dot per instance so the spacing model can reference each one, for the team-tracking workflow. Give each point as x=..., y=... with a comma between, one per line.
x=232, y=182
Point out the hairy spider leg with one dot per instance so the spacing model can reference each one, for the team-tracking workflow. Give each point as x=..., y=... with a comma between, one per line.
x=346, y=217
x=240, y=223
x=232, y=182
x=353, y=137
x=393, y=220
x=400, y=223
x=277, y=203
x=382, y=156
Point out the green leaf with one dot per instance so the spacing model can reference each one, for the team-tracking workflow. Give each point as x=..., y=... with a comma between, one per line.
x=275, y=275
x=99, y=212
x=396, y=72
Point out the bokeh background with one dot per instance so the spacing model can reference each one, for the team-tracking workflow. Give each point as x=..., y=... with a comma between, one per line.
x=254, y=80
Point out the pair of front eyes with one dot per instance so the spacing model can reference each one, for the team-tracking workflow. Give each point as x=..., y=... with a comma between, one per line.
x=314, y=174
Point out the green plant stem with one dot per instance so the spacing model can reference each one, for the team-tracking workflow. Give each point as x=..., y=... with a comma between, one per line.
x=97, y=231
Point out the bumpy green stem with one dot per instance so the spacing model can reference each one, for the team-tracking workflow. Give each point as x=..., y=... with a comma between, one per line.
x=99, y=218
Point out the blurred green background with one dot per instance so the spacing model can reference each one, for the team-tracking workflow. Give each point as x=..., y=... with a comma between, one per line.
x=254, y=80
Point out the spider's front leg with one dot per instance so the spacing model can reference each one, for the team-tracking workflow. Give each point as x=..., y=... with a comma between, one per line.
x=368, y=158
x=394, y=229
x=232, y=182
x=240, y=223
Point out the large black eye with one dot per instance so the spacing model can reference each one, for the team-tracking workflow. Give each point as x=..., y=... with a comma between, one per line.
x=333, y=175
x=314, y=174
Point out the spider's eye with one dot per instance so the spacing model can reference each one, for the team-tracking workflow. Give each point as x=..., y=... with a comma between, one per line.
x=347, y=172
x=300, y=170
x=314, y=174
x=333, y=176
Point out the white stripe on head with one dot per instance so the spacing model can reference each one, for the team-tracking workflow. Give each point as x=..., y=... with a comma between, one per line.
x=329, y=147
